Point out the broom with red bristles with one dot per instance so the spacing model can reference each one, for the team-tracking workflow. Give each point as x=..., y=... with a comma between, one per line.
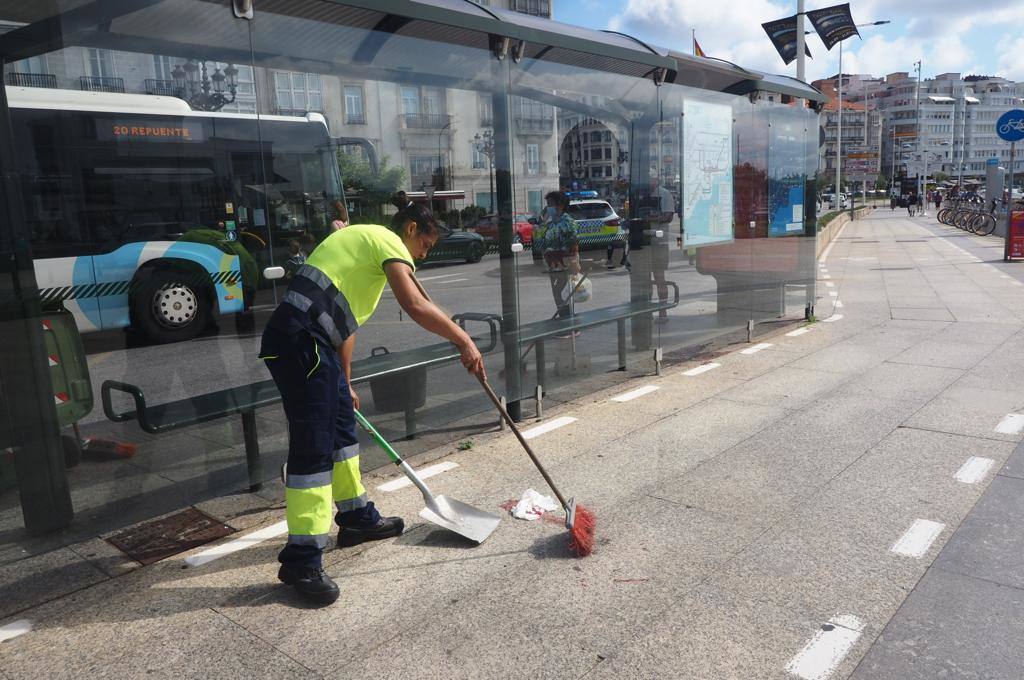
x=579, y=520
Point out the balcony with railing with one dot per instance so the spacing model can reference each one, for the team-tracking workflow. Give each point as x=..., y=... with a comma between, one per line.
x=31, y=79
x=166, y=88
x=425, y=121
x=529, y=125
x=101, y=84
x=355, y=119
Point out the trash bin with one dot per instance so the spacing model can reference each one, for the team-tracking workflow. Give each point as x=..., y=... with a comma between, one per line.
x=399, y=392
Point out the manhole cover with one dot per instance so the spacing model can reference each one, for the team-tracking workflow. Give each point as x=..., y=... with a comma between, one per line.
x=151, y=542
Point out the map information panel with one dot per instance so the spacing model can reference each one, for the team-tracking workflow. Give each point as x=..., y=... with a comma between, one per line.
x=707, y=173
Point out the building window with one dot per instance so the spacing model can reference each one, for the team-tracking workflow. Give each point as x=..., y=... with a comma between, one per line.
x=608, y=153
x=607, y=171
x=534, y=201
x=595, y=137
x=532, y=159
x=298, y=92
x=410, y=100
x=162, y=67
x=479, y=162
x=354, y=113
x=100, y=63
x=586, y=154
x=485, y=107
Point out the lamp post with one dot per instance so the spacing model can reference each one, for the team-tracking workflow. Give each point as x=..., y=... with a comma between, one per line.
x=202, y=91
x=839, y=111
x=485, y=144
x=440, y=158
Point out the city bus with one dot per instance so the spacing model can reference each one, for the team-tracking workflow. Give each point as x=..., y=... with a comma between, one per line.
x=145, y=213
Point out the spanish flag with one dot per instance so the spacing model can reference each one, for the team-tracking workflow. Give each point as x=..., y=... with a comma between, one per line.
x=697, y=51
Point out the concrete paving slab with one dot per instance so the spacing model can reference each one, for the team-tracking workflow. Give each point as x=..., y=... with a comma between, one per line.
x=105, y=557
x=935, y=311
x=28, y=582
x=786, y=386
x=714, y=634
x=904, y=381
x=952, y=626
x=989, y=543
x=970, y=411
x=848, y=357
x=943, y=354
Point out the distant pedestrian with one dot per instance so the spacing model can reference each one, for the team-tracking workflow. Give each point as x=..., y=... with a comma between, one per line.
x=911, y=204
x=560, y=245
x=938, y=200
x=920, y=202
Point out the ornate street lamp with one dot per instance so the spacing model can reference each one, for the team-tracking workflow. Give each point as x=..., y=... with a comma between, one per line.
x=205, y=92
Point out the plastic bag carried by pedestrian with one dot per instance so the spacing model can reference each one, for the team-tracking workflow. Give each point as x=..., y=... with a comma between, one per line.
x=582, y=287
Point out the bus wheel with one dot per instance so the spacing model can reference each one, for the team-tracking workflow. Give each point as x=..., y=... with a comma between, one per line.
x=169, y=306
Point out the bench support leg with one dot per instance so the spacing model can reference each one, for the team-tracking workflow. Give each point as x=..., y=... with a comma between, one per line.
x=620, y=326
x=540, y=401
x=410, y=422
x=539, y=349
x=252, y=449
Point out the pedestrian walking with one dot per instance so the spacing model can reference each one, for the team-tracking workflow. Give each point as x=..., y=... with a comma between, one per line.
x=920, y=202
x=560, y=246
x=938, y=201
x=911, y=204
x=307, y=346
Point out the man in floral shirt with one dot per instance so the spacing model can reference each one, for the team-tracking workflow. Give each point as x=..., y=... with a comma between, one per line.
x=561, y=248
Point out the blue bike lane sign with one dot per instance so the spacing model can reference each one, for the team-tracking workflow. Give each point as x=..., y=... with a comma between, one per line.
x=1010, y=126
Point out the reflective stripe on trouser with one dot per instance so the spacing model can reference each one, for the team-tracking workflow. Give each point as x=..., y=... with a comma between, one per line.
x=321, y=439
x=349, y=493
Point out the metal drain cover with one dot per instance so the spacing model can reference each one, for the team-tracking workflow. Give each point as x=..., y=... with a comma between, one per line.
x=153, y=541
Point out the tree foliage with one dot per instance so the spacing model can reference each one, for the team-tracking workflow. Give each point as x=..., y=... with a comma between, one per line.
x=369, y=188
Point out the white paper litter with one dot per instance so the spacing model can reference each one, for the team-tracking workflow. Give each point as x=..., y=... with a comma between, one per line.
x=533, y=505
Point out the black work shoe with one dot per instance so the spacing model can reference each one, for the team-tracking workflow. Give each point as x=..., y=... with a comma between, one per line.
x=366, y=524
x=313, y=584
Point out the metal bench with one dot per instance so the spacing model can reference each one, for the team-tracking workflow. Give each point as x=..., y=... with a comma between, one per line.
x=538, y=331
x=246, y=399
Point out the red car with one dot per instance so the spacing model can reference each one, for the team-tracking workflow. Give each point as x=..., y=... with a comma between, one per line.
x=487, y=226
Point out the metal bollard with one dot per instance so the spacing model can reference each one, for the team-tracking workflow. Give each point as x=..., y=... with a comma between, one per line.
x=658, y=356
x=504, y=407
x=539, y=392
x=750, y=330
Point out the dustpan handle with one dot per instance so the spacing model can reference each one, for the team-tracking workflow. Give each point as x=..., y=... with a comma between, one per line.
x=428, y=497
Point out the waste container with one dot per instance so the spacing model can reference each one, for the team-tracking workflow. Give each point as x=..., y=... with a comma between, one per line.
x=1016, y=235
x=398, y=392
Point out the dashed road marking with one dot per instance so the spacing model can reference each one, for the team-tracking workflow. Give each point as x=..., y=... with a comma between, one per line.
x=798, y=332
x=1013, y=423
x=839, y=304
x=826, y=276
x=756, y=348
x=827, y=648
x=974, y=470
x=14, y=629
x=240, y=543
x=834, y=293
x=434, y=278
x=701, y=369
x=548, y=427
x=829, y=284
x=633, y=394
x=918, y=538
x=834, y=317
x=425, y=473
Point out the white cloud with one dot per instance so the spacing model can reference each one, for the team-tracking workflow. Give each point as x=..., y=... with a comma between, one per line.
x=940, y=33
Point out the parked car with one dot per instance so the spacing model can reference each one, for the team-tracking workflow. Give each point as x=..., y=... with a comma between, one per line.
x=487, y=226
x=458, y=245
x=598, y=224
x=829, y=201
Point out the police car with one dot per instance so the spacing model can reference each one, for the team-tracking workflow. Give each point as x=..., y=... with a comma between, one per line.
x=597, y=223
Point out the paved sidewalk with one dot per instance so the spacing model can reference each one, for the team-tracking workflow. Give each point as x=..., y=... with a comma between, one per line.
x=761, y=519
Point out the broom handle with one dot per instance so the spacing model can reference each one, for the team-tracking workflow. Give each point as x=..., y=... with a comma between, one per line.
x=519, y=436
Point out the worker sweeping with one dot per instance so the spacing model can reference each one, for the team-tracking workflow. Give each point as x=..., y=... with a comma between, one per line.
x=307, y=346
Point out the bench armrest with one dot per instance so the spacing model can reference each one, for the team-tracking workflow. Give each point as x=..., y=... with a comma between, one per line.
x=136, y=394
x=492, y=320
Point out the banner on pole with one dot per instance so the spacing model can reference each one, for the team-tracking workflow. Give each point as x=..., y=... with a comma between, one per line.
x=833, y=24
x=782, y=33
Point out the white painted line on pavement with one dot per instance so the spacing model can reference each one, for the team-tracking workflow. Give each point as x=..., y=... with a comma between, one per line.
x=839, y=304
x=827, y=648
x=1018, y=283
x=756, y=348
x=834, y=317
x=425, y=473
x=826, y=276
x=918, y=538
x=434, y=278
x=453, y=280
x=834, y=293
x=14, y=629
x=240, y=543
x=639, y=392
x=829, y=284
x=974, y=470
x=798, y=332
x=701, y=369
x=1013, y=423
x=548, y=427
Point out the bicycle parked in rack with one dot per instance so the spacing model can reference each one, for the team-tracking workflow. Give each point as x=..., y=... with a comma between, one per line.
x=969, y=215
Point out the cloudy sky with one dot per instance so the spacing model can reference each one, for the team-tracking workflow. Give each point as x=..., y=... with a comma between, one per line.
x=981, y=36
